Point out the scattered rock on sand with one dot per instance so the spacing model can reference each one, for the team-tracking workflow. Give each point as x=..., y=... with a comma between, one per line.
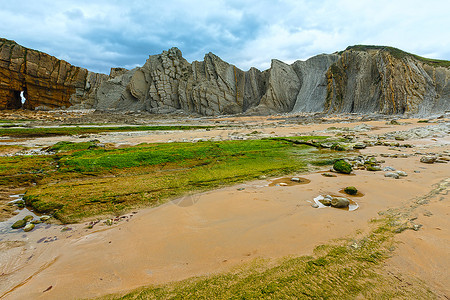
x=388, y=169
x=342, y=166
x=328, y=175
x=392, y=175
x=295, y=179
x=44, y=218
x=29, y=227
x=28, y=218
x=19, y=224
x=326, y=202
x=373, y=168
x=401, y=173
x=340, y=202
x=428, y=159
x=359, y=146
x=351, y=190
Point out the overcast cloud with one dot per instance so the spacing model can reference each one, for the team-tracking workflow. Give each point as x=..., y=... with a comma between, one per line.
x=102, y=34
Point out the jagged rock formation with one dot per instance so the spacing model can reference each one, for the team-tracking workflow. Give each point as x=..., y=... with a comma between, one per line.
x=387, y=80
x=361, y=79
x=43, y=80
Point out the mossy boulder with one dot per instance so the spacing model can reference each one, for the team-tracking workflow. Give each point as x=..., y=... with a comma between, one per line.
x=19, y=224
x=342, y=166
x=351, y=190
x=29, y=227
x=373, y=168
x=28, y=218
x=337, y=147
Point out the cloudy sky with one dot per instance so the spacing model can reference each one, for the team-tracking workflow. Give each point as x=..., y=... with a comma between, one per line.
x=100, y=34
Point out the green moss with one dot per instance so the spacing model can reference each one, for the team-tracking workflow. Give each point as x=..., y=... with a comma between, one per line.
x=58, y=131
x=400, y=54
x=342, y=166
x=351, y=190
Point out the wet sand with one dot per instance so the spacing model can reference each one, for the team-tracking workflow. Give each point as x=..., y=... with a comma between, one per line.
x=216, y=231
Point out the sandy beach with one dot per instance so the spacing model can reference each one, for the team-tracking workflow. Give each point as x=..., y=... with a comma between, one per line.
x=217, y=231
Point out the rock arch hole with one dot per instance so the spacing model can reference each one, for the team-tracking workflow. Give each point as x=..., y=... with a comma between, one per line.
x=19, y=100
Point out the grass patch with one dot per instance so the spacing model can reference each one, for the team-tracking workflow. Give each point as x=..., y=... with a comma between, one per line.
x=400, y=54
x=76, y=130
x=86, y=181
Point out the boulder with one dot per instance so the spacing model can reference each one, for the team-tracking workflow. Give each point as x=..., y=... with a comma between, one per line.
x=392, y=175
x=359, y=146
x=351, y=190
x=428, y=159
x=19, y=224
x=340, y=202
x=29, y=227
x=28, y=218
x=342, y=166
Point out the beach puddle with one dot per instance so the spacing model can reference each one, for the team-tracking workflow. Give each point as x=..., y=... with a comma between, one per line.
x=5, y=226
x=289, y=181
x=358, y=194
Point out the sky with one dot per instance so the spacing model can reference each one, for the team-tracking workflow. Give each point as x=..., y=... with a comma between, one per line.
x=101, y=34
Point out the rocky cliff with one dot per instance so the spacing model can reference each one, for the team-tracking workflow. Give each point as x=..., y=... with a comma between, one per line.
x=361, y=79
x=44, y=81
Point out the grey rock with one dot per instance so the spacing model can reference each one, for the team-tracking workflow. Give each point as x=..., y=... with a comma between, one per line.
x=401, y=173
x=388, y=168
x=340, y=202
x=19, y=224
x=428, y=159
x=314, y=205
x=359, y=146
x=392, y=175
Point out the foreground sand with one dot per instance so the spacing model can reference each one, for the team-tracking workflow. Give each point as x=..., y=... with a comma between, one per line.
x=215, y=231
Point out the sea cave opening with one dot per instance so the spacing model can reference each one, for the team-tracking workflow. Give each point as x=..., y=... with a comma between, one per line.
x=19, y=99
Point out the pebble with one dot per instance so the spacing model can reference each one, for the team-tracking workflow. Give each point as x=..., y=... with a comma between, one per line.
x=387, y=169
x=295, y=179
x=392, y=175
x=428, y=159
x=29, y=227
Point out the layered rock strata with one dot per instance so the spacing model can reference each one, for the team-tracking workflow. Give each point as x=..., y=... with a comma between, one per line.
x=35, y=80
x=361, y=79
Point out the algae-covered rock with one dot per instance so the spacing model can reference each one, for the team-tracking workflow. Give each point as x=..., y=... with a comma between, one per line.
x=19, y=224
x=326, y=202
x=340, y=202
x=342, y=166
x=28, y=218
x=373, y=168
x=29, y=227
x=351, y=190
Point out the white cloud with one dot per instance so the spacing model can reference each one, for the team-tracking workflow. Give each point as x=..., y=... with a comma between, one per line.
x=104, y=34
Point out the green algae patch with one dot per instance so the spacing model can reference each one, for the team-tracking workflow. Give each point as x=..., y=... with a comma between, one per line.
x=89, y=181
x=76, y=130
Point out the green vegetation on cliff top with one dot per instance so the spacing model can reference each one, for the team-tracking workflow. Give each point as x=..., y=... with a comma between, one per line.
x=397, y=53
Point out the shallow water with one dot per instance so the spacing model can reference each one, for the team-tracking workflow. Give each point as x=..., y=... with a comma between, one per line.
x=5, y=226
x=352, y=206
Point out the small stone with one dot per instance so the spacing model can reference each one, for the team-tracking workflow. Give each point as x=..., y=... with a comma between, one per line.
x=340, y=202
x=351, y=190
x=44, y=218
x=328, y=175
x=416, y=227
x=373, y=168
x=295, y=179
x=108, y=222
x=315, y=205
x=388, y=169
x=19, y=224
x=36, y=222
x=416, y=171
x=441, y=161
x=401, y=173
x=326, y=202
x=29, y=227
x=241, y=189
x=283, y=184
x=392, y=175
x=359, y=146
x=428, y=159
x=28, y=218
x=354, y=246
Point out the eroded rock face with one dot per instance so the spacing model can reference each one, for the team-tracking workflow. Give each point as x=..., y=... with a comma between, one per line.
x=362, y=79
x=43, y=80
x=379, y=81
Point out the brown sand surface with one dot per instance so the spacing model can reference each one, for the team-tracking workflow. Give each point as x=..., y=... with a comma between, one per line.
x=215, y=231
